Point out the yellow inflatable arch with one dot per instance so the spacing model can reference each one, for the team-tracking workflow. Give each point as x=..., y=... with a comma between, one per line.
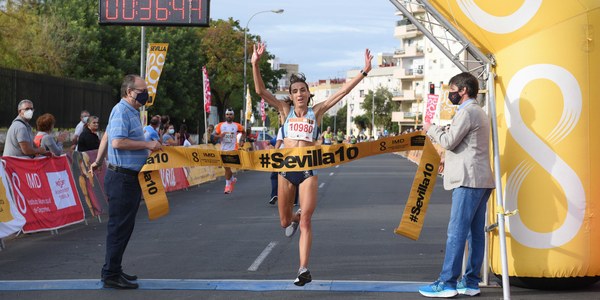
x=548, y=103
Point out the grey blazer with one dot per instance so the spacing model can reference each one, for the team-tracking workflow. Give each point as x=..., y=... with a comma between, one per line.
x=467, y=145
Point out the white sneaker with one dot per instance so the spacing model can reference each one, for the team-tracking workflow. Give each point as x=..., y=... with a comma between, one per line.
x=290, y=230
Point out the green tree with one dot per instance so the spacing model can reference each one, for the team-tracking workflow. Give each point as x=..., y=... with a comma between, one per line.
x=223, y=46
x=384, y=106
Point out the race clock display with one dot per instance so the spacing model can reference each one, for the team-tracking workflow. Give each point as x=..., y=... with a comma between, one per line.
x=154, y=12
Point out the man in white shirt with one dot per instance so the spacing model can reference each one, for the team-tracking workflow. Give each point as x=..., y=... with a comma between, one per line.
x=83, y=117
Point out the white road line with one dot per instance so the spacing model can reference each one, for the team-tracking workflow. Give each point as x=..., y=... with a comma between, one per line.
x=337, y=166
x=322, y=184
x=331, y=174
x=262, y=256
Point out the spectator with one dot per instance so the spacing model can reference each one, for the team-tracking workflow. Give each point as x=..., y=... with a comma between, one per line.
x=127, y=152
x=151, y=131
x=170, y=137
x=19, y=137
x=44, y=137
x=165, y=121
x=468, y=174
x=89, y=140
x=83, y=118
x=210, y=133
x=184, y=136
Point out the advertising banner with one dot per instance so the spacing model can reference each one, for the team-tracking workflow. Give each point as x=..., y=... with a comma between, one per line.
x=89, y=186
x=173, y=179
x=45, y=192
x=11, y=220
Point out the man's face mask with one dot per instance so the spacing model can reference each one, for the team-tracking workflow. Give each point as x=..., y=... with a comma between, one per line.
x=28, y=114
x=454, y=97
x=85, y=119
x=142, y=97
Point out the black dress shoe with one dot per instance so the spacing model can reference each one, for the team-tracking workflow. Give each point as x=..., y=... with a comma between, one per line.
x=129, y=277
x=119, y=282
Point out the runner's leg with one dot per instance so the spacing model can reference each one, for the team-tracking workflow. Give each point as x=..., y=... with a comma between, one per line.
x=308, y=203
x=286, y=192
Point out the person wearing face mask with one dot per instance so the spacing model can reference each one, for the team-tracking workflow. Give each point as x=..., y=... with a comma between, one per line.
x=19, y=137
x=83, y=118
x=468, y=174
x=170, y=137
x=44, y=137
x=127, y=151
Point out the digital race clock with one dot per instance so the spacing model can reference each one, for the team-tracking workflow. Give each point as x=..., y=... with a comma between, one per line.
x=154, y=12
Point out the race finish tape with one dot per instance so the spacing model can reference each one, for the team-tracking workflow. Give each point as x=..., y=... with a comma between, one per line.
x=298, y=159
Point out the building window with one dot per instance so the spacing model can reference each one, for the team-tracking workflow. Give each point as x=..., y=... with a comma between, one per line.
x=361, y=93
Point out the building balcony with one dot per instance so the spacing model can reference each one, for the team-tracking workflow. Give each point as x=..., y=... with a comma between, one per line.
x=406, y=31
x=410, y=51
x=404, y=116
x=405, y=95
x=409, y=74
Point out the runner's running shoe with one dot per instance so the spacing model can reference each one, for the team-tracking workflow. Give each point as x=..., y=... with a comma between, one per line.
x=273, y=200
x=290, y=230
x=232, y=184
x=303, y=277
x=227, y=189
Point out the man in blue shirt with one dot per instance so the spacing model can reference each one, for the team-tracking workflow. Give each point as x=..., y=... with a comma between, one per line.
x=151, y=131
x=127, y=152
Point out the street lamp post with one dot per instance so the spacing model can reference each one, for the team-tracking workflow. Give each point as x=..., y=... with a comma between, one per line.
x=373, y=116
x=277, y=11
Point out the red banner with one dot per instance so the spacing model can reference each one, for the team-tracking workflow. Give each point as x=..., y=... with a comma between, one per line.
x=173, y=179
x=45, y=192
x=432, y=101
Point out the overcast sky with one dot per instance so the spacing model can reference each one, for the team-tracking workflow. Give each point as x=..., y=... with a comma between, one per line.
x=325, y=37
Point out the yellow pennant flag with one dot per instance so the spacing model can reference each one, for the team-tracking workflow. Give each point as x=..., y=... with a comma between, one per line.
x=296, y=159
x=248, y=105
x=155, y=60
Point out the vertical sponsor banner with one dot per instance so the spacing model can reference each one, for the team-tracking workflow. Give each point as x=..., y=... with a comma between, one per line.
x=173, y=179
x=431, y=108
x=248, y=105
x=11, y=220
x=207, y=94
x=548, y=132
x=155, y=60
x=45, y=192
x=89, y=186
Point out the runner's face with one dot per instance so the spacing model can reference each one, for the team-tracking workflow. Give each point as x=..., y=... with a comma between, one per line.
x=229, y=117
x=300, y=94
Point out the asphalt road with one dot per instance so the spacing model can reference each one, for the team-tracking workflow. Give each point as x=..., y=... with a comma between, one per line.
x=216, y=246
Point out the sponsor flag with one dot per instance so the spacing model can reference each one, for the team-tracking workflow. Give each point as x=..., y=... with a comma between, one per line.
x=206, y=88
x=155, y=60
x=432, y=101
x=248, y=105
x=263, y=116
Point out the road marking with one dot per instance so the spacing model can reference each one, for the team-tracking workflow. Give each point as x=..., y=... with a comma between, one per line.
x=219, y=285
x=262, y=256
x=331, y=174
x=322, y=184
x=337, y=166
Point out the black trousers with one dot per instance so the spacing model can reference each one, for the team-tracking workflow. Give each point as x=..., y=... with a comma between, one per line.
x=124, y=196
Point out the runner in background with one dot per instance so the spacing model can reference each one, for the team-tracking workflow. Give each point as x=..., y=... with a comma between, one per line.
x=300, y=130
x=227, y=132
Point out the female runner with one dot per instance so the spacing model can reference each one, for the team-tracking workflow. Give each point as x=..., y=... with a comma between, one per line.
x=300, y=130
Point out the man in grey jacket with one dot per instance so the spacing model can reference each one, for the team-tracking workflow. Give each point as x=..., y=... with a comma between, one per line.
x=468, y=174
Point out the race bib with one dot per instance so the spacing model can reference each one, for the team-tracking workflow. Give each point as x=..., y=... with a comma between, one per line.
x=301, y=129
x=229, y=138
